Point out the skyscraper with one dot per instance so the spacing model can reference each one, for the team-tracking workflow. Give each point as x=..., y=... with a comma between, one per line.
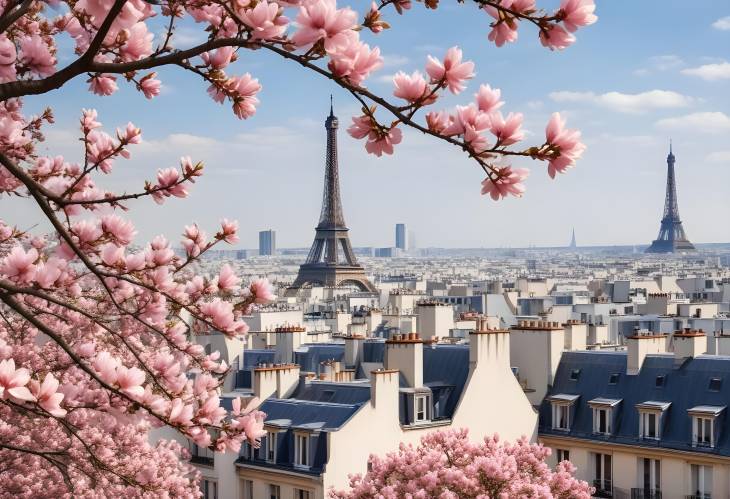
x=267, y=242
x=401, y=237
x=573, y=244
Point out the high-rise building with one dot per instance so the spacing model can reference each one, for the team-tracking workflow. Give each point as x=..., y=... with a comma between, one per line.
x=573, y=244
x=671, y=233
x=267, y=242
x=401, y=237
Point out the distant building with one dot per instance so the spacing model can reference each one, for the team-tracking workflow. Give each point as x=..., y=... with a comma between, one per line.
x=401, y=236
x=267, y=242
x=573, y=244
x=387, y=252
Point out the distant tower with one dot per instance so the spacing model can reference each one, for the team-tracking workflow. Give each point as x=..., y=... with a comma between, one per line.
x=671, y=233
x=573, y=245
x=331, y=261
x=267, y=242
x=401, y=237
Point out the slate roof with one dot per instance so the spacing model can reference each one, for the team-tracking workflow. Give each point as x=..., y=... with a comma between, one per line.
x=309, y=356
x=685, y=385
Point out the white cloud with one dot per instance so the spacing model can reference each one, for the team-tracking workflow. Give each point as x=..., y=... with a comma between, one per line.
x=627, y=103
x=666, y=62
x=722, y=24
x=718, y=157
x=710, y=72
x=395, y=61
x=704, y=122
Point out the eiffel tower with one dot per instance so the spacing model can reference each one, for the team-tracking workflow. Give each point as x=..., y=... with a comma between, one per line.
x=671, y=233
x=331, y=261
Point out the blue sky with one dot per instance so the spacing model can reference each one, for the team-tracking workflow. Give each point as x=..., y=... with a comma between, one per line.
x=646, y=71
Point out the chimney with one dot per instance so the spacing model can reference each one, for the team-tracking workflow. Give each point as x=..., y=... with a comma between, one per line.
x=434, y=319
x=406, y=355
x=287, y=378
x=723, y=344
x=597, y=334
x=689, y=343
x=354, y=346
x=641, y=345
x=373, y=320
x=535, y=349
x=288, y=339
x=488, y=347
x=278, y=381
x=384, y=388
x=576, y=333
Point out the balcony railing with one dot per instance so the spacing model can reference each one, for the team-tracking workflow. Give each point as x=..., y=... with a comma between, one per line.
x=645, y=493
x=706, y=495
x=603, y=488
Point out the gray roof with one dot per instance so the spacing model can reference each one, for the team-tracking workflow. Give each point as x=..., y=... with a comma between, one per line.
x=684, y=386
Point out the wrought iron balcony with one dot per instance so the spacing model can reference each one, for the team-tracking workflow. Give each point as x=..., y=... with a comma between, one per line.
x=706, y=495
x=604, y=488
x=645, y=493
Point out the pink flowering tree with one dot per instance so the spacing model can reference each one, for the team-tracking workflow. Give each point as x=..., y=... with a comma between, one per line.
x=97, y=328
x=447, y=465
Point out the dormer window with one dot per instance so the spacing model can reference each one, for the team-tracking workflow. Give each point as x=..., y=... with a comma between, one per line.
x=613, y=378
x=271, y=441
x=715, y=384
x=659, y=383
x=562, y=405
x=704, y=429
x=301, y=450
x=421, y=408
x=574, y=374
x=651, y=416
x=603, y=412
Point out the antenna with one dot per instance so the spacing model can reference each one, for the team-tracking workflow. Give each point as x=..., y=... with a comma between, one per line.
x=332, y=108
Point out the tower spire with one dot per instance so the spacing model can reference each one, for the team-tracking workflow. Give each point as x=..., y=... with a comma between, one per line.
x=671, y=232
x=332, y=113
x=331, y=260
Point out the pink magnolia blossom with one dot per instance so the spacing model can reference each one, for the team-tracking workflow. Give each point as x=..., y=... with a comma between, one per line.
x=265, y=20
x=19, y=265
x=229, y=231
x=355, y=62
x=566, y=142
x=487, y=99
x=220, y=58
x=448, y=464
x=35, y=54
x=150, y=86
x=507, y=130
x=508, y=182
x=556, y=37
x=48, y=396
x=382, y=142
x=245, y=89
x=451, y=70
x=361, y=127
x=409, y=87
x=119, y=229
x=8, y=57
x=321, y=19
x=139, y=43
x=577, y=13
x=130, y=381
x=13, y=382
x=262, y=291
x=228, y=281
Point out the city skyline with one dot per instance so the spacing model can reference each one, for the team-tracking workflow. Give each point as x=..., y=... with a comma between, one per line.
x=655, y=82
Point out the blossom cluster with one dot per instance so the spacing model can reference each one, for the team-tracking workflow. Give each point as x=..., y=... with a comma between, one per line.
x=447, y=464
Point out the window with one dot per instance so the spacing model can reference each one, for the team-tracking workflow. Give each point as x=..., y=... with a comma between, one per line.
x=301, y=449
x=648, y=425
x=209, y=488
x=602, y=473
x=420, y=413
x=247, y=451
x=602, y=420
x=301, y=494
x=271, y=446
x=650, y=476
x=700, y=481
x=613, y=378
x=715, y=384
x=561, y=417
x=246, y=489
x=562, y=455
x=702, y=431
x=574, y=374
x=274, y=491
x=659, y=383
